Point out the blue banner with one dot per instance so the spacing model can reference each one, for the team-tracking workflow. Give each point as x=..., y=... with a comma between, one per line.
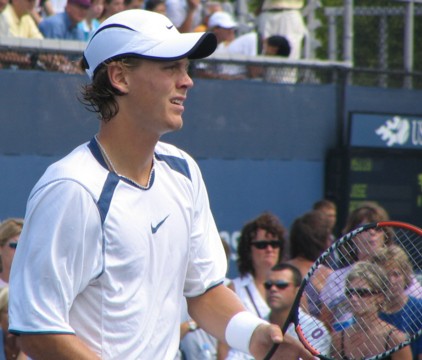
x=386, y=131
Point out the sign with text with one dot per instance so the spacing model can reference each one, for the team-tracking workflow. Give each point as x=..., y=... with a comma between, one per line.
x=386, y=131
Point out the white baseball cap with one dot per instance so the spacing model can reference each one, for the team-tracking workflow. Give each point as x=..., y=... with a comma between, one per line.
x=144, y=34
x=221, y=19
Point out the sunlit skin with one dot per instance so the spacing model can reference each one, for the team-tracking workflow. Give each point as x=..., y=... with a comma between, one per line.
x=281, y=300
x=368, y=324
x=265, y=258
x=156, y=92
x=153, y=105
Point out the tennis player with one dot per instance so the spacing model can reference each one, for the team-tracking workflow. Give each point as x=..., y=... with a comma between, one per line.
x=120, y=229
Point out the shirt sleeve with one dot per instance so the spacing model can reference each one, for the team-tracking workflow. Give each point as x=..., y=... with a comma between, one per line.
x=59, y=253
x=207, y=264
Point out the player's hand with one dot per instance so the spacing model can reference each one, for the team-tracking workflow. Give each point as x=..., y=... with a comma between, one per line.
x=265, y=336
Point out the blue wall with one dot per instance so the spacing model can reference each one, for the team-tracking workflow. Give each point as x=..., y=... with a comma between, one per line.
x=260, y=146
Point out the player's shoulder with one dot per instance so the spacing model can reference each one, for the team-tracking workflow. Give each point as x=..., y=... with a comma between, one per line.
x=79, y=166
x=176, y=158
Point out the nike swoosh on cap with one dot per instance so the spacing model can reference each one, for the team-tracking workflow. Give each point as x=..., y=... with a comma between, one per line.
x=169, y=26
x=154, y=229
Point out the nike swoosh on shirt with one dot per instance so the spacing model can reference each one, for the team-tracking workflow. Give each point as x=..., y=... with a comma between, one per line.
x=155, y=228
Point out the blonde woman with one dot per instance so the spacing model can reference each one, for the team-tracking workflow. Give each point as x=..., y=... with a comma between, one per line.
x=368, y=336
x=10, y=231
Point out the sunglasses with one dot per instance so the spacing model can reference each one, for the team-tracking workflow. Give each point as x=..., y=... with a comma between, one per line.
x=279, y=285
x=13, y=245
x=360, y=292
x=263, y=244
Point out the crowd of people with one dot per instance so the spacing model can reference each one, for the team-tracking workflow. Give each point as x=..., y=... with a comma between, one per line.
x=119, y=257
x=277, y=29
x=271, y=263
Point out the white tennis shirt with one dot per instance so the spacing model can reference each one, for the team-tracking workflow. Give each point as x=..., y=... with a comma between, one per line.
x=106, y=260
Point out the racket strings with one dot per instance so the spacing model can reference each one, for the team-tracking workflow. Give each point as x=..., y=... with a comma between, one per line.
x=350, y=303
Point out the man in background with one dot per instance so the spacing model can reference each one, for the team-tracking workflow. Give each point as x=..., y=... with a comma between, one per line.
x=65, y=25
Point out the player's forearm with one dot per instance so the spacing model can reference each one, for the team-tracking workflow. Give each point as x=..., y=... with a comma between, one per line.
x=55, y=347
x=214, y=309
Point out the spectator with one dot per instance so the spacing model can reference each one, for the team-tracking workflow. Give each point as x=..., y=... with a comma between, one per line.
x=281, y=286
x=111, y=7
x=260, y=247
x=133, y=4
x=334, y=302
x=10, y=231
x=403, y=306
x=158, y=6
x=185, y=14
x=19, y=20
x=42, y=9
x=91, y=22
x=309, y=238
x=4, y=27
x=365, y=289
x=65, y=25
x=9, y=345
x=329, y=209
x=224, y=27
x=210, y=7
x=283, y=17
x=276, y=45
x=120, y=229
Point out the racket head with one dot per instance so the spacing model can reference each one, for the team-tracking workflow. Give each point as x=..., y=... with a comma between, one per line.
x=345, y=315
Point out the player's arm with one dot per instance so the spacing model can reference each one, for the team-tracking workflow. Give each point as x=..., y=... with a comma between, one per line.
x=55, y=347
x=216, y=309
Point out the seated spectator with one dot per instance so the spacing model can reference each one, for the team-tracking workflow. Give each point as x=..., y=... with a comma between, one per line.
x=403, y=309
x=91, y=22
x=210, y=7
x=42, y=9
x=224, y=27
x=366, y=285
x=19, y=20
x=186, y=15
x=281, y=286
x=158, y=6
x=65, y=25
x=261, y=246
x=4, y=27
x=10, y=230
x=309, y=238
x=111, y=7
x=133, y=4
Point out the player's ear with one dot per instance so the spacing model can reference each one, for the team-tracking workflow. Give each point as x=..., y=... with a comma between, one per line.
x=117, y=75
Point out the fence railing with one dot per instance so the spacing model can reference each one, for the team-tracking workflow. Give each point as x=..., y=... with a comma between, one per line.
x=63, y=56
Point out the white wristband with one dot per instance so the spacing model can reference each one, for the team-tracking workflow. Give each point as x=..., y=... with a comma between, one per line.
x=240, y=328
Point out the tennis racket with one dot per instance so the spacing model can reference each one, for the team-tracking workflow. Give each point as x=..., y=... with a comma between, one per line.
x=350, y=331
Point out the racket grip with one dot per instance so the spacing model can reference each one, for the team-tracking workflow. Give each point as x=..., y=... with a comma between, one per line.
x=271, y=352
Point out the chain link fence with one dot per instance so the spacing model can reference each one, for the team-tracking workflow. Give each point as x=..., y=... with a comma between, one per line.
x=382, y=42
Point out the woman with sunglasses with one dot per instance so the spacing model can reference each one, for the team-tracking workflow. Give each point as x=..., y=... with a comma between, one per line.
x=334, y=304
x=260, y=247
x=10, y=231
x=365, y=289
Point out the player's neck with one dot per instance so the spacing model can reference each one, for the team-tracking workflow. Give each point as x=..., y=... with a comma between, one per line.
x=128, y=156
